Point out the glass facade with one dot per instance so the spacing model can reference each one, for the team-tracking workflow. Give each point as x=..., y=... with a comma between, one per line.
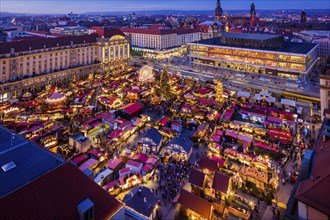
x=253, y=60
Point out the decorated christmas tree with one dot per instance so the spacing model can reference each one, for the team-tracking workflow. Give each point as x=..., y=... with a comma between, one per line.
x=218, y=91
x=164, y=84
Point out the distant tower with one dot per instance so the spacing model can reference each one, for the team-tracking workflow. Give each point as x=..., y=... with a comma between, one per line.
x=226, y=23
x=252, y=10
x=218, y=11
x=303, y=17
x=254, y=21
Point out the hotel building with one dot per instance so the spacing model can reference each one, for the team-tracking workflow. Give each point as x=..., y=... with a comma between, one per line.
x=31, y=64
x=160, y=43
x=257, y=53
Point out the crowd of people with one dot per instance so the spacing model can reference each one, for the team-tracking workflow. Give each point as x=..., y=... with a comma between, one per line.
x=173, y=175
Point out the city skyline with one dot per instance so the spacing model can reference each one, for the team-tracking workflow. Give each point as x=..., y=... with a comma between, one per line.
x=51, y=6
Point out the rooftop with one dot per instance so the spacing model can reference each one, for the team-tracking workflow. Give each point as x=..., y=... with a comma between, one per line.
x=316, y=33
x=142, y=200
x=56, y=195
x=288, y=47
x=250, y=36
x=30, y=161
x=221, y=182
x=197, y=178
x=312, y=190
x=41, y=43
x=195, y=203
x=36, y=184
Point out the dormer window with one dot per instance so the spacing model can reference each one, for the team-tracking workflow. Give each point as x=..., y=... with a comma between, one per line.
x=86, y=210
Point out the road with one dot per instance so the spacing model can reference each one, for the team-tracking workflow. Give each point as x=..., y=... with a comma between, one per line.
x=251, y=80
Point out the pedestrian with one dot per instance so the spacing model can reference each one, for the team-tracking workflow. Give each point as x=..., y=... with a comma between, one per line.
x=278, y=214
x=283, y=181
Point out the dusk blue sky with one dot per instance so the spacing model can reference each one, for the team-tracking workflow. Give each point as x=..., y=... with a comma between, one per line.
x=80, y=6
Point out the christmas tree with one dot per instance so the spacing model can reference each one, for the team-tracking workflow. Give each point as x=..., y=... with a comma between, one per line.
x=164, y=84
x=218, y=91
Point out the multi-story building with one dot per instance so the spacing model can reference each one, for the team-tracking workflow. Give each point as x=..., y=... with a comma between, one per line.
x=31, y=64
x=257, y=53
x=210, y=29
x=309, y=198
x=151, y=38
x=69, y=30
x=185, y=36
x=322, y=38
x=160, y=42
x=15, y=34
x=325, y=90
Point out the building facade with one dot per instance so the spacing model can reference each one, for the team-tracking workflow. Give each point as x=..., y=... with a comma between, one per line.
x=69, y=30
x=160, y=39
x=322, y=38
x=257, y=53
x=160, y=43
x=32, y=64
x=325, y=90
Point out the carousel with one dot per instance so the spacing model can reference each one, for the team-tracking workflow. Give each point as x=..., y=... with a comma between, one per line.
x=27, y=96
x=146, y=74
x=55, y=98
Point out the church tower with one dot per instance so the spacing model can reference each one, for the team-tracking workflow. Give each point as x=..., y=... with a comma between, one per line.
x=254, y=21
x=252, y=10
x=303, y=17
x=218, y=11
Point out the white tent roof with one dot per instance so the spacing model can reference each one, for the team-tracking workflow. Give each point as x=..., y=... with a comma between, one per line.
x=56, y=95
x=265, y=94
x=243, y=94
x=288, y=102
x=102, y=175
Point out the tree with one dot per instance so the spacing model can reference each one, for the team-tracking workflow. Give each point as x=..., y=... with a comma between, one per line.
x=218, y=91
x=164, y=84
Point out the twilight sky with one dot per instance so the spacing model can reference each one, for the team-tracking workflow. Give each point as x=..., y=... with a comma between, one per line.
x=80, y=6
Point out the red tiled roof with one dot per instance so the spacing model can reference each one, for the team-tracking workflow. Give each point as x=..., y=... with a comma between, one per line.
x=80, y=159
x=114, y=163
x=195, y=203
x=96, y=28
x=221, y=182
x=132, y=108
x=315, y=191
x=109, y=32
x=37, y=44
x=185, y=31
x=148, y=31
x=206, y=163
x=164, y=121
x=133, y=163
x=197, y=178
x=64, y=19
x=56, y=195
